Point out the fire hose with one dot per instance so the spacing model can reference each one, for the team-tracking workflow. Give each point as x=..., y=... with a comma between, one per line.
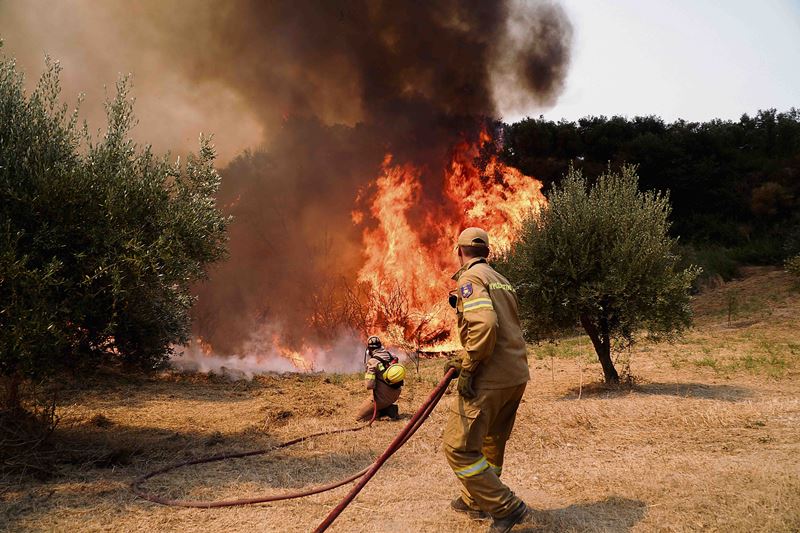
x=365, y=475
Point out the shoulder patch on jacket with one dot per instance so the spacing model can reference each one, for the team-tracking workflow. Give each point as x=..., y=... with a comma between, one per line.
x=466, y=290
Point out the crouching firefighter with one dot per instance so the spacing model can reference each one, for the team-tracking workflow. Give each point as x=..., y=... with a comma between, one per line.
x=384, y=377
x=492, y=375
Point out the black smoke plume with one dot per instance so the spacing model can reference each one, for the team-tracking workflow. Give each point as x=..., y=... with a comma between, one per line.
x=409, y=78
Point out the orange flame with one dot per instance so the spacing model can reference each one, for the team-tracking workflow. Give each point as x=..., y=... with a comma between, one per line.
x=407, y=245
x=414, y=255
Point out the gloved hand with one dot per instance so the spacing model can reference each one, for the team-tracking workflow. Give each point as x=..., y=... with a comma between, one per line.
x=465, y=384
x=453, y=362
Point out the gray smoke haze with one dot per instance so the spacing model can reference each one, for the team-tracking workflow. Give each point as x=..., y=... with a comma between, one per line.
x=325, y=89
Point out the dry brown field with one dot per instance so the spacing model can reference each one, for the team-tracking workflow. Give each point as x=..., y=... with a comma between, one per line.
x=705, y=438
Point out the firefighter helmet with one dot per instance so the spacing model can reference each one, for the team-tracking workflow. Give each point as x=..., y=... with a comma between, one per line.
x=374, y=343
x=394, y=374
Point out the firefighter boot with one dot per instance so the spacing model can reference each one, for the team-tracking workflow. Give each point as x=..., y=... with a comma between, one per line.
x=392, y=412
x=505, y=524
x=461, y=506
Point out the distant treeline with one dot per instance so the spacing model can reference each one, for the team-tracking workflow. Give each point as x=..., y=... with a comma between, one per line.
x=735, y=186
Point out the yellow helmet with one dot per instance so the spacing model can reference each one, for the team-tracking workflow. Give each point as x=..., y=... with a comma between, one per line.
x=394, y=374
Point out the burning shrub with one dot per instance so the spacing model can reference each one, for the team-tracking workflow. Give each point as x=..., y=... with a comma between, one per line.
x=601, y=256
x=99, y=241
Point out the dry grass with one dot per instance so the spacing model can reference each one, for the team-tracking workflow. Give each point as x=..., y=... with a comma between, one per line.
x=706, y=439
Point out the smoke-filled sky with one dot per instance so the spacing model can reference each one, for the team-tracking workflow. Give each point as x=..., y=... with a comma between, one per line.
x=241, y=68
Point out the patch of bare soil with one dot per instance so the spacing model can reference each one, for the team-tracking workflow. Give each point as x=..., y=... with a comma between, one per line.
x=705, y=438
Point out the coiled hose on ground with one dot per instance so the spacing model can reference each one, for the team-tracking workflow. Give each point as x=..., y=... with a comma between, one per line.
x=365, y=475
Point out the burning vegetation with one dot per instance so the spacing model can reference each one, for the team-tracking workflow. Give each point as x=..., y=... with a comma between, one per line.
x=344, y=223
x=378, y=146
x=395, y=280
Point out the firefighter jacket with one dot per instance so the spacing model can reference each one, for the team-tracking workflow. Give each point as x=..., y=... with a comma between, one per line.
x=377, y=364
x=489, y=327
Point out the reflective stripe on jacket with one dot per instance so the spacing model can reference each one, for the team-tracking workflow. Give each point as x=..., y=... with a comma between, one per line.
x=489, y=327
x=376, y=366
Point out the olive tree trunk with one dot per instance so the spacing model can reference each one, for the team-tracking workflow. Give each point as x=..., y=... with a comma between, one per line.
x=601, y=340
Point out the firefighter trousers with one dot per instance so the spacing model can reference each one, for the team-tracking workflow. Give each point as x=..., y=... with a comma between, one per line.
x=383, y=394
x=475, y=442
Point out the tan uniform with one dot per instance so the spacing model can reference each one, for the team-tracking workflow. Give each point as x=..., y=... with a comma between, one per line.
x=495, y=351
x=382, y=393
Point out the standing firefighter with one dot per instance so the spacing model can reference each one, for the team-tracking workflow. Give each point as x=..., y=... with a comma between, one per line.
x=384, y=377
x=493, y=373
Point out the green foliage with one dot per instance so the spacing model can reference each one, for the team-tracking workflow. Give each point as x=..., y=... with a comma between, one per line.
x=770, y=364
x=723, y=261
x=601, y=255
x=99, y=240
x=733, y=184
x=715, y=260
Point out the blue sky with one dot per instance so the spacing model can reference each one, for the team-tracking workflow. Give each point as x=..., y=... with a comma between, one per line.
x=695, y=60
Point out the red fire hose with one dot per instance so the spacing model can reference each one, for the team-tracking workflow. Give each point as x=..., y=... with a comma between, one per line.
x=366, y=474
x=206, y=504
x=408, y=431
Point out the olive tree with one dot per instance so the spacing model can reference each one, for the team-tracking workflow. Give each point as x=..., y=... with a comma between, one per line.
x=600, y=256
x=100, y=240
